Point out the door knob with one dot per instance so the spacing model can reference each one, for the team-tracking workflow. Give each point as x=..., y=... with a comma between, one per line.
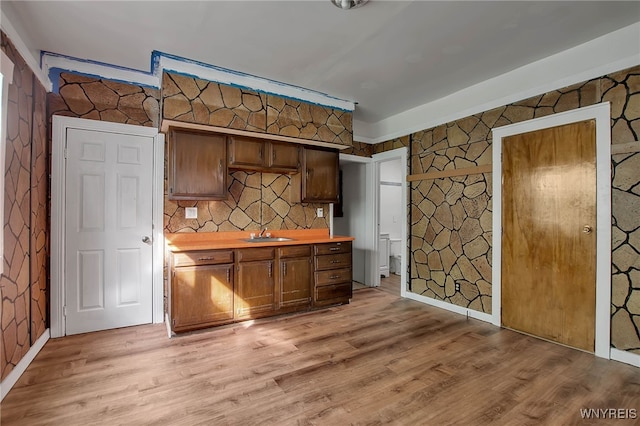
x=146, y=240
x=586, y=229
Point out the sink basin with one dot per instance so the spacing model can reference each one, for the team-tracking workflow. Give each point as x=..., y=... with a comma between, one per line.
x=267, y=239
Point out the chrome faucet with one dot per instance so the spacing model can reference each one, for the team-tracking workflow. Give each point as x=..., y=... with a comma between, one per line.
x=262, y=232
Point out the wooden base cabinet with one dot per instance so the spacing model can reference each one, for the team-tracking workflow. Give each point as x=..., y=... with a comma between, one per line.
x=333, y=274
x=201, y=290
x=255, y=287
x=215, y=287
x=295, y=277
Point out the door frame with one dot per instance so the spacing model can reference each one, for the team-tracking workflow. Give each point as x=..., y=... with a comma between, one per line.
x=601, y=113
x=401, y=154
x=58, y=183
x=368, y=216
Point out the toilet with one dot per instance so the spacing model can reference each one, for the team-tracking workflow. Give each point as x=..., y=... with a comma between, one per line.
x=395, y=257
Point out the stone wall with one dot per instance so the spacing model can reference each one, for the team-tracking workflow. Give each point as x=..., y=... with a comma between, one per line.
x=193, y=100
x=105, y=100
x=450, y=219
x=391, y=145
x=23, y=285
x=360, y=149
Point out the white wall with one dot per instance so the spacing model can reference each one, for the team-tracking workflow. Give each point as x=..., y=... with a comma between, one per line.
x=391, y=198
x=354, y=208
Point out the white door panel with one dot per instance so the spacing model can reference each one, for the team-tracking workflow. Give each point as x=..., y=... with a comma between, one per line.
x=109, y=212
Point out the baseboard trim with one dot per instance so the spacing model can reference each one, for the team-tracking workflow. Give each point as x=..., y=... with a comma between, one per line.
x=450, y=307
x=626, y=357
x=15, y=374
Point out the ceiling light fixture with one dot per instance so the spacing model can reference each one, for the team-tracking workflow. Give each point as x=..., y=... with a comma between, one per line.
x=348, y=4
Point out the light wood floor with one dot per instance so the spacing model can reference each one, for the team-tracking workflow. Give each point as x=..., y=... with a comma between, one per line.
x=379, y=360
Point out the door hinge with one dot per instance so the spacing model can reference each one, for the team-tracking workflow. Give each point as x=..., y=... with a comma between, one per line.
x=64, y=311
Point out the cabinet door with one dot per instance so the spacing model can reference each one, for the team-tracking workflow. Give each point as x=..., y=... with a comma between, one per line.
x=197, y=165
x=295, y=276
x=246, y=152
x=255, y=291
x=201, y=295
x=320, y=180
x=284, y=157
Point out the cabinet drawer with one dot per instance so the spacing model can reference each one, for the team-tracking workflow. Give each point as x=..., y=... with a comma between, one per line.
x=333, y=248
x=258, y=253
x=333, y=277
x=336, y=291
x=294, y=251
x=204, y=257
x=333, y=261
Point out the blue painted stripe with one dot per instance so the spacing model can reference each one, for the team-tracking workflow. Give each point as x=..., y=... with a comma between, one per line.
x=155, y=60
x=90, y=61
x=156, y=56
x=280, y=95
x=54, y=76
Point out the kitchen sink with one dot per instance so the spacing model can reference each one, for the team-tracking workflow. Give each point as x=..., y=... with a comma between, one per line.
x=267, y=239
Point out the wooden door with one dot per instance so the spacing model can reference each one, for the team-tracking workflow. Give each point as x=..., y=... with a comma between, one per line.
x=548, y=235
x=107, y=230
x=201, y=295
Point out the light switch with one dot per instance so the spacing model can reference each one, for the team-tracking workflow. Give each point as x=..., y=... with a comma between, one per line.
x=320, y=212
x=190, y=212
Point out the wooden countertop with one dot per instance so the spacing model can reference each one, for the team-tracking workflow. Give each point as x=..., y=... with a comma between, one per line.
x=185, y=241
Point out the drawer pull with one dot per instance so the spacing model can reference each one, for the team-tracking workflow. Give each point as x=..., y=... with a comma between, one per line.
x=333, y=277
x=334, y=248
x=206, y=258
x=335, y=261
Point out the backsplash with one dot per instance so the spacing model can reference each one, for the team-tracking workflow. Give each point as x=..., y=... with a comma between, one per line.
x=256, y=200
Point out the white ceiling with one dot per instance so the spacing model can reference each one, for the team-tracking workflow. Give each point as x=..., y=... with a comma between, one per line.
x=388, y=56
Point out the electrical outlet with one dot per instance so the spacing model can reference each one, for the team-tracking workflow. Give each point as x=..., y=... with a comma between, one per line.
x=320, y=212
x=190, y=212
x=457, y=286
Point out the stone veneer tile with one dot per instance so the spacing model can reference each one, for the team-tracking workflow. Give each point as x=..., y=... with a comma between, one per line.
x=105, y=100
x=288, y=117
x=15, y=285
x=360, y=149
x=194, y=100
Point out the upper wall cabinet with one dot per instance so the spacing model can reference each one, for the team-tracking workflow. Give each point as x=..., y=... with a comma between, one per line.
x=249, y=153
x=197, y=165
x=317, y=181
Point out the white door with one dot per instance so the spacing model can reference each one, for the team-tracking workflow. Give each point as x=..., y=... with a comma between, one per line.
x=108, y=229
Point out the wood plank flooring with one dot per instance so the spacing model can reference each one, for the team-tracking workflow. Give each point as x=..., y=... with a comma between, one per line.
x=379, y=360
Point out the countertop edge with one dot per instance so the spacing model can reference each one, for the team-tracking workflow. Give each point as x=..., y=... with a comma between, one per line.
x=237, y=243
